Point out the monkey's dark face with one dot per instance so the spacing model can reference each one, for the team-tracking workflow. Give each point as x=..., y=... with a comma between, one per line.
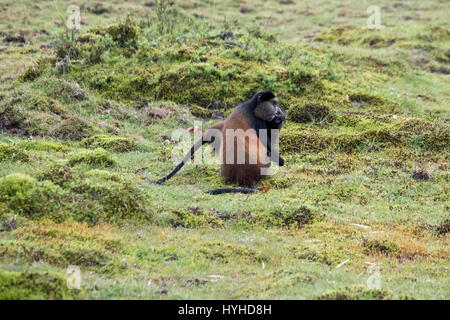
x=279, y=119
x=266, y=109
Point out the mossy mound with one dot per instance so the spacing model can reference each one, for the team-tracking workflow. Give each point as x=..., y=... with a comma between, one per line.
x=310, y=113
x=12, y=152
x=367, y=102
x=202, y=113
x=115, y=144
x=41, y=145
x=75, y=128
x=355, y=293
x=345, y=35
x=105, y=196
x=91, y=197
x=125, y=34
x=383, y=247
x=194, y=218
x=33, y=285
x=182, y=73
x=225, y=253
x=62, y=89
x=292, y=217
x=37, y=69
x=15, y=118
x=25, y=196
x=45, y=104
x=59, y=172
x=301, y=140
x=412, y=132
x=97, y=157
x=19, y=191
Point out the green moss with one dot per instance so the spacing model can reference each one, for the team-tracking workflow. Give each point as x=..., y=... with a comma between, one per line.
x=12, y=152
x=367, y=102
x=183, y=74
x=17, y=116
x=200, y=112
x=433, y=136
x=329, y=255
x=194, y=218
x=377, y=41
x=225, y=253
x=343, y=35
x=125, y=34
x=310, y=112
x=115, y=144
x=37, y=69
x=311, y=140
x=383, y=247
x=48, y=105
x=33, y=285
x=105, y=196
x=292, y=217
x=41, y=145
x=19, y=191
x=75, y=128
x=430, y=135
x=62, y=89
x=60, y=173
x=25, y=196
x=354, y=293
x=97, y=157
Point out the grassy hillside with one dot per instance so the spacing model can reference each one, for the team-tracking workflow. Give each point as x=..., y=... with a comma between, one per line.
x=86, y=120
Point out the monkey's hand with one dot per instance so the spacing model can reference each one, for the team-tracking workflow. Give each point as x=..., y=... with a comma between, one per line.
x=281, y=161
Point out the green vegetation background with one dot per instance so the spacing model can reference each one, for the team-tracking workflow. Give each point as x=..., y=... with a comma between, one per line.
x=85, y=126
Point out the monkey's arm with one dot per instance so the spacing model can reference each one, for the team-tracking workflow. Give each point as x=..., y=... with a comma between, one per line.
x=273, y=154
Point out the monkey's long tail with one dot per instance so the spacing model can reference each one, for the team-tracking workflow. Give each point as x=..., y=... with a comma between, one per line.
x=186, y=158
x=232, y=190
